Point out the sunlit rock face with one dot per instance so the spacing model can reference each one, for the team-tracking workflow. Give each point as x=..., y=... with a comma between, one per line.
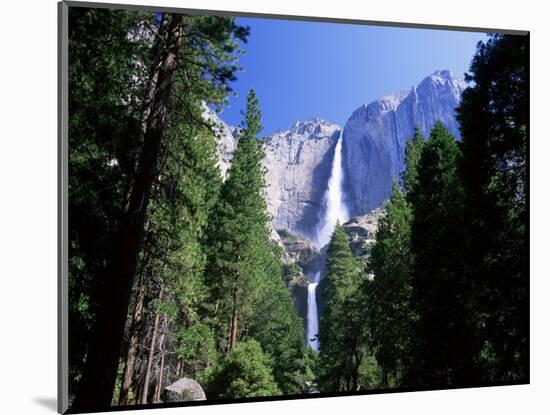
x=226, y=141
x=375, y=136
x=298, y=164
x=298, y=161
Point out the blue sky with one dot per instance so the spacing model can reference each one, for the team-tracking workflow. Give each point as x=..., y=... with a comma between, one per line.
x=304, y=70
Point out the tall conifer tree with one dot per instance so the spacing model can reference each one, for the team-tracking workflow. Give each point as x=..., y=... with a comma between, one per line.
x=390, y=316
x=239, y=231
x=493, y=119
x=342, y=334
x=446, y=343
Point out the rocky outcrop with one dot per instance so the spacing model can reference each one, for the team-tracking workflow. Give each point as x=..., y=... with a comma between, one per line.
x=298, y=291
x=297, y=163
x=374, y=136
x=302, y=260
x=362, y=232
x=300, y=251
x=226, y=141
x=182, y=390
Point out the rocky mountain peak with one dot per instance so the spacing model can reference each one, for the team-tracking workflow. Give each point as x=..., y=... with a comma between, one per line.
x=375, y=136
x=444, y=81
x=298, y=160
x=311, y=129
x=443, y=76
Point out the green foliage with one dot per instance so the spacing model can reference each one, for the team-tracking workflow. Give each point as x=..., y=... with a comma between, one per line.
x=113, y=56
x=446, y=343
x=389, y=311
x=244, y=273
x=494, y=116
x=370, y=373
x=244, y=373
x=195, y=347
x=413, y=150
x=187, y=192
x=448, y=301
x=104, y=135
x=238, y=235
x=280, y=332
x=342, y=333
x=291, y=271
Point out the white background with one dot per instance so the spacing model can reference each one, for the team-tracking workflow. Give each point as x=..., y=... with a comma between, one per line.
x=28, y=203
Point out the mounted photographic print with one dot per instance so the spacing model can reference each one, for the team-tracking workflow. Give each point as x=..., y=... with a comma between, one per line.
x=258, y=207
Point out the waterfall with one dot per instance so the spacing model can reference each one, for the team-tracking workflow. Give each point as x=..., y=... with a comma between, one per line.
x=335, y=210
x=312, y=316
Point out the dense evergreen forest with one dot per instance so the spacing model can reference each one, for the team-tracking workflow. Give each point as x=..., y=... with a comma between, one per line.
x=173, y=272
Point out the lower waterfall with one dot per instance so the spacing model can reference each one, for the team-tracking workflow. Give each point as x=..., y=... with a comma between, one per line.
x=312, y=315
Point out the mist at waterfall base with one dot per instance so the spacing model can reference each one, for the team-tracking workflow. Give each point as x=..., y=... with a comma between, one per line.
x=335, y=211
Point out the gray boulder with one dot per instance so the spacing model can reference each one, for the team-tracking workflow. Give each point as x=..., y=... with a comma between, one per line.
x=182, y=390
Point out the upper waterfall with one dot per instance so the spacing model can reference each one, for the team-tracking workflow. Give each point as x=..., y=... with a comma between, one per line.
x=335, y=207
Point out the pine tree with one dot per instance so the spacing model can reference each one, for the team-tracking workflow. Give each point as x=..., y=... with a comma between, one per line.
x=105, y=88
x=276, y=326
x=446, y=340
x=204, y=69
x=389, y=312
x=238, y=233
x=244, y=373
x=98, y=379
x=342, y=333
x=493, y=119
x=413, y=150
x=245, y=273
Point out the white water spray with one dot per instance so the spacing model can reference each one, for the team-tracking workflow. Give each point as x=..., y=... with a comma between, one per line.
x=335, y=210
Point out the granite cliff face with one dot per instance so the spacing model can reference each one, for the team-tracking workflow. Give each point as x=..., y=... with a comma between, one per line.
x=225, y=139
x=302, y=259
x=297, y=163
x=375, y=136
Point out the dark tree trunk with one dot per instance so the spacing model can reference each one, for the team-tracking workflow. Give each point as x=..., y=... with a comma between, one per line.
x=385, y=377
x=147, y=377
x=98, y=379
x=158, y=389
x=178, y=369
x=132, y=347
x=234, y=322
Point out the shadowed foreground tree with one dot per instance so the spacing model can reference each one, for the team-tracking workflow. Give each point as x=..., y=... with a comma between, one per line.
x=199, y=51
x=413, y=151
x=97, y=384
x=493, y=119
x=105, y=88
x=446, y=342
